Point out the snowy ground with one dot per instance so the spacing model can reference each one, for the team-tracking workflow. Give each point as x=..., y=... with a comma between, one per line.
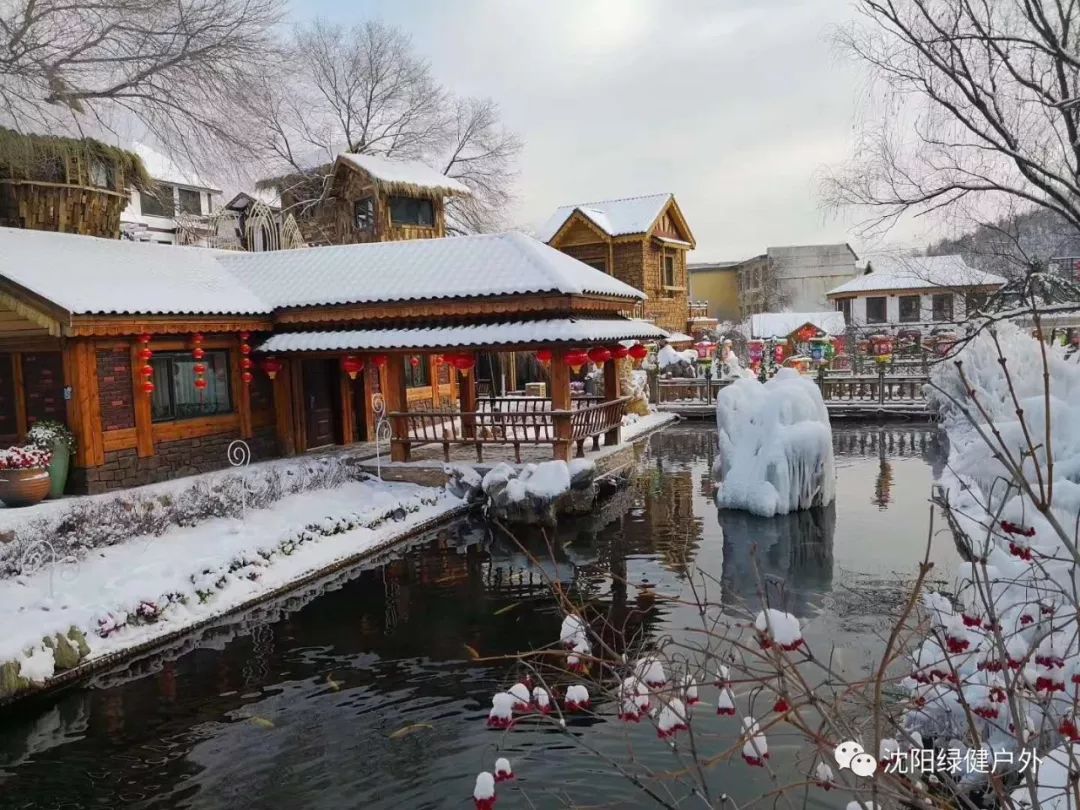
x=148, y=587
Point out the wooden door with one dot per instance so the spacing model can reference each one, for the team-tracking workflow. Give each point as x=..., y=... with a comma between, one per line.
x=319, y=402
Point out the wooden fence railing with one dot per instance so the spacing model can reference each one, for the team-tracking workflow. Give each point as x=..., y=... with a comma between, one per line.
x=877, y=388
x=524, y=422
x=688, y=389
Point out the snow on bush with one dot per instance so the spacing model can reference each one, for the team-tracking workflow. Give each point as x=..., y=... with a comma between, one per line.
x=779, y=628
x=503, y=771
x=502, y=710
x=651, y=670
x=673, y=718
x=775, y=446
x=577, y=698
x=484, y=791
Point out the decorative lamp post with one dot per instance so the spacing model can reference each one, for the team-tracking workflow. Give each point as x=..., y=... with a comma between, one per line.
x=353, y=365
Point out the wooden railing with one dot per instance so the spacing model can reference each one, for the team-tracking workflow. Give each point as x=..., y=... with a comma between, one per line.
x=524, y=421
x=870, y=388
x=688, y=389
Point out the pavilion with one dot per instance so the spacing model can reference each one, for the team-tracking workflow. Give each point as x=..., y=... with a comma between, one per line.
x=158, y=357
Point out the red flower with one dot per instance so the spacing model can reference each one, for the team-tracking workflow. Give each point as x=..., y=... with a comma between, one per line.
x=1012, y=528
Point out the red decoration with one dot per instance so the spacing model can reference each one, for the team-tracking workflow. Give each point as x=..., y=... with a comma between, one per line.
x=247, y=376
x=148, y=387
x=246, y=363
x=599, y=355
x=439, y=360
x=147, y=370
x=144, y=337
x=200, y=383
x=778, y=353
x=544, y=355
x=197, y=338
x=199, y=368
x=198, y=353
x=353, y=365
x=379, y=360
x=576, y=359
x=463, y=362
x=271, y=365
x=414, y=361
x=638, y=352
x=244, y=336
x=245, y=348
x=145, y=354
x=620, y=352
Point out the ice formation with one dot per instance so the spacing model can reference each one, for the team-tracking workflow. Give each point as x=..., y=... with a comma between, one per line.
x=672, y=719
x=726, y=702
x=484, y=792
x=541, y=699
x=775, y=446
x=573, y=628
x=502, y=710
x=522, y=696
x=651, y=671
x=503, y=771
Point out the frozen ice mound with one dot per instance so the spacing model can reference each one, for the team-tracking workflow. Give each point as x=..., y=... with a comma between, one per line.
x=775, y=446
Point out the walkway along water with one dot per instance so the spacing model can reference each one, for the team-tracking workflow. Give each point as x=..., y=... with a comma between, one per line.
x=358, y=690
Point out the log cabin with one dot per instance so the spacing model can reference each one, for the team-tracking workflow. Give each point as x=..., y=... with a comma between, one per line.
x=642, y=241
x=157, y=358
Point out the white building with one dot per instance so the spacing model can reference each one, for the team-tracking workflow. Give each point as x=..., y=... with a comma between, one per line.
x=794, y=277
x=152, y=217
x=917, y=292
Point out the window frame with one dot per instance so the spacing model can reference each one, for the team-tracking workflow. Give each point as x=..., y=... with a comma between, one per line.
x=918, y=309
x=884, y=309
x=170, y=357
x=168, y=203
x=843, y=306
x=948, y=311
x=180, y=192
x=369, y=203
x=413, y=373
x=418, y=202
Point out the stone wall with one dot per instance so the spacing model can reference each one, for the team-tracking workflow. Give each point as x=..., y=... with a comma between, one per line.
x=115, y=389
x=43, y=379
x=124, y=468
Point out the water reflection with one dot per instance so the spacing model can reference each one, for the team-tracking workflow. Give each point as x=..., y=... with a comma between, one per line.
x=296, y=703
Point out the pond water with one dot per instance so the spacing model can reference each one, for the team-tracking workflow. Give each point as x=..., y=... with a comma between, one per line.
x=360, y=691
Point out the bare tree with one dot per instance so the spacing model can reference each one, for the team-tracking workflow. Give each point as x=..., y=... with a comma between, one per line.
x=364, y=90
x=982, y=109
x=175, y=66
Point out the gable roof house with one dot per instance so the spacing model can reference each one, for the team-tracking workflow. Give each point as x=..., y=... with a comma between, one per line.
x=913, y=292
x=642, y=241
x=157, y=359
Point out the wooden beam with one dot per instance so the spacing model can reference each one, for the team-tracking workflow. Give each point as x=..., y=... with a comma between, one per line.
x=196, y=428
x=559, y=379
x=348, y=419
x=395, y=394
x=299, y=407
x=142, y=404
x=611, y=392
x=20, y=396
x=467, y=399
x=121, y=439
x=283, y=411
x=164, y=325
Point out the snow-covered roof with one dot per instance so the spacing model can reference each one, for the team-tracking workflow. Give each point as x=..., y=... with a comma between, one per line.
x=404, y=175
x=164, y=168
x=678, y=337
x=267, y=196
x=782, y=324
x=86, y=275
x=552, y=330
x=89, y=275
x=614, y=217
x=917, y=272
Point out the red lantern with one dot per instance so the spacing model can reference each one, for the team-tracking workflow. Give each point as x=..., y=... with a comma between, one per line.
x=271, y=365
x=414, y=361
x=144, y=337
x=576, y=359
x=244, y=336
x=247, y=377
x=599, y=355
x=379, y=360
x=246, y=363
x=638, y=352
x=145, y=355
x=245, y=348
x=148, y=387
x=463, y=363
x=200, y=383
x=198, y=353
x=197, y=338
x=620, y=352
x=199, y=368
x=147, y=370
x=778, y=353
x=543, y=355
x=353, y=365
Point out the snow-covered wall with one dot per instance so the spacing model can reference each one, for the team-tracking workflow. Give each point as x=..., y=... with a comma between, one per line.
x=775, y=446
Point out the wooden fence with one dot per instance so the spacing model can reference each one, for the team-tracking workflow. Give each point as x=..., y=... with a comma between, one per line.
x=877, y=388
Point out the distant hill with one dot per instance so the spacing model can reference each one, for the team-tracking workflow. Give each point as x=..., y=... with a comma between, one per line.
x=1040, y=235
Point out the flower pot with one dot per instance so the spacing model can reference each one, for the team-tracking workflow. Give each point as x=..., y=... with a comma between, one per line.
x=58, y=469
x=23, y=487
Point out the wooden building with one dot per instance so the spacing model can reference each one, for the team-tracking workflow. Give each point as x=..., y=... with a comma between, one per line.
x=65, y=184
x=158, y=357
x=642, y=241
x=365, y=198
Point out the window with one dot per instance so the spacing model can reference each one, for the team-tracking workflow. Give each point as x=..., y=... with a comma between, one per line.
x=157, y=201
x=943, y=304
x=412, y=211
x=99, y=174
x=598, y=264
x=844, y=305
x=190, y=201
x=175, y=394
x=364, y=214
x=910, y=308
x=875, y=309
x=975, y=301
x=417, y=376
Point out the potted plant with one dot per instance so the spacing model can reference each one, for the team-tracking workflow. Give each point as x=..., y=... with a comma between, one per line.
x=48, y=434
x=24, y=475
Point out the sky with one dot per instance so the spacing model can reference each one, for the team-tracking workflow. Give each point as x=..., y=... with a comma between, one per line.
x=735, y=106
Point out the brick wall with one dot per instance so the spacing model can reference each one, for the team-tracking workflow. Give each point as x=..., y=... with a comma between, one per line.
x=124, y=468
x=115, y=389
x=43, y=378
x=629, y=268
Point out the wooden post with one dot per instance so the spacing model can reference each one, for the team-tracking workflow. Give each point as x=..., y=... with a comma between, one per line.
x=20, y=396
x=348, y=410
x=560, y=403
x=242, y=392
x=397, y=401
x=433, y=375
x=299, y=405
x=283, y=410
x=467, y=399
x=144, y=415
x=611, y=392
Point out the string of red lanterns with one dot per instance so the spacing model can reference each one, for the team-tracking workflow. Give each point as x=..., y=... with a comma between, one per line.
x=245, y=359
x=353, y=365
x=199, y=368
x=576, y=358
x=272, y=366
x=147, y=370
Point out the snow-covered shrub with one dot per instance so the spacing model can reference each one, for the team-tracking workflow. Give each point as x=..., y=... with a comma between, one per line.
x=47, y=433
